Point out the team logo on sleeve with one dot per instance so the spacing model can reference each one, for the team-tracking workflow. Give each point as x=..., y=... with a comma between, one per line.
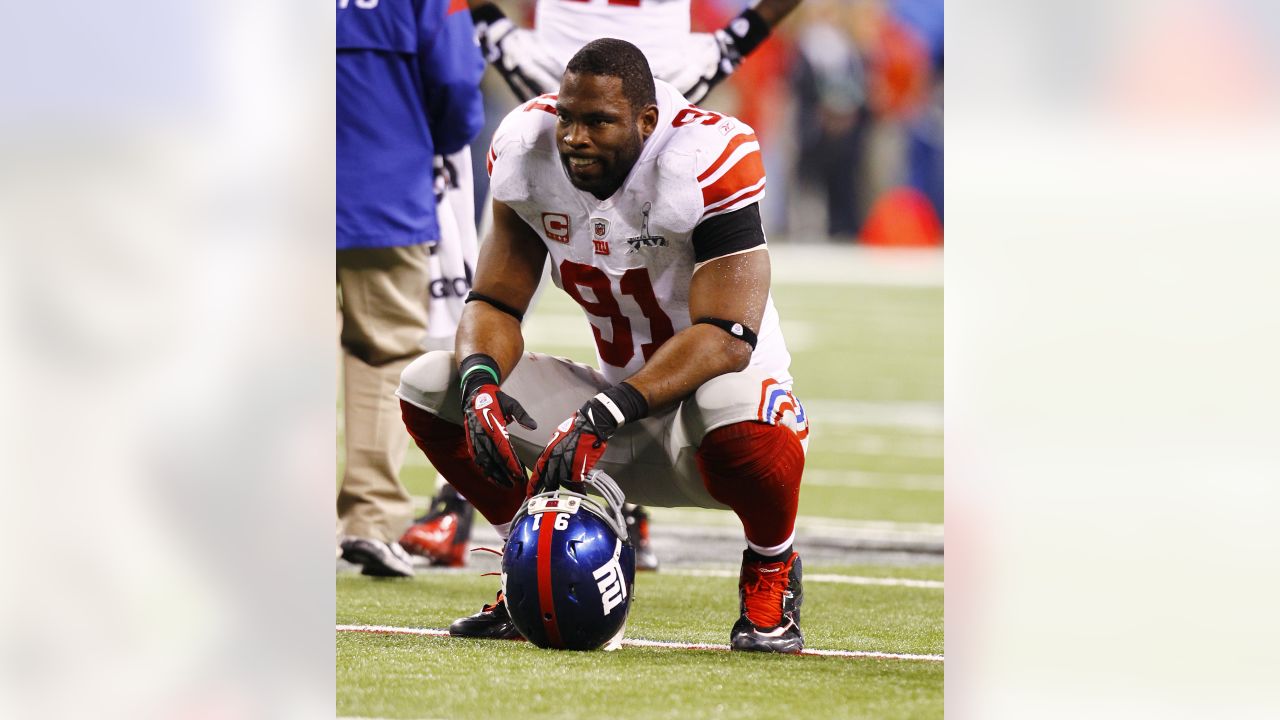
x=556, y=226
x=644, y=239
x=599, y=233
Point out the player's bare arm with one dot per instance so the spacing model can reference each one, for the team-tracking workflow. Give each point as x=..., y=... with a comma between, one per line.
x=507, y=274
x=734, y=289
x=489, y=343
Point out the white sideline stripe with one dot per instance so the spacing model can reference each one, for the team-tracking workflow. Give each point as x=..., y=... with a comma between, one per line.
x=654, y=644
x=820, y=577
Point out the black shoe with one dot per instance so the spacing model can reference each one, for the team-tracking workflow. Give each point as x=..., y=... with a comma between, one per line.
x=769, y=597
x=377, y=558
x=492, y=623
x=638, y=531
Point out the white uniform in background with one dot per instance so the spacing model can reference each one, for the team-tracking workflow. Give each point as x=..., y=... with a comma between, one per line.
x=660, y=28
x=453, y=259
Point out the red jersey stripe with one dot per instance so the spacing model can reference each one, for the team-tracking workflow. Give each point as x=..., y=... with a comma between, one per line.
x=733, y=145
x=456, y=6
x=749, y=171
x=731, y=203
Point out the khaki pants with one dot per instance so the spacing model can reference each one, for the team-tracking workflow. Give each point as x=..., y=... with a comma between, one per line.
x=382, y=315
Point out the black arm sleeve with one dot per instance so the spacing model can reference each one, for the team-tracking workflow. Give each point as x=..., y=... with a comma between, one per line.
x=727, y=234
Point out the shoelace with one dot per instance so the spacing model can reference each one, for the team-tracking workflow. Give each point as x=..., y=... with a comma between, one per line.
x=498, y=600
x=763, y=596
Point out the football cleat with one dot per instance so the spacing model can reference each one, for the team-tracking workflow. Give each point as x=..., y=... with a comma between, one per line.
x=441, y=535
x=568, y=569
x=638, y=528
x=491, y=623
x=377, y=558
x=769, y=597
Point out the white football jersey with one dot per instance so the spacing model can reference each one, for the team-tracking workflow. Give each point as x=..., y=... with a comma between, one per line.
x=660, y=28
x=628, y=260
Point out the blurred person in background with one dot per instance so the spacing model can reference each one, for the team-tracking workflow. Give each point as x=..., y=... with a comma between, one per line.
x=831, y=114
x=868, y=101
x=531, y=63
x=408, y=88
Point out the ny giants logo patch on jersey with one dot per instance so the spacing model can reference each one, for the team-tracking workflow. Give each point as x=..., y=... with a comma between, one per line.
x=599, y=233
x=644, y=239
x=556, y=226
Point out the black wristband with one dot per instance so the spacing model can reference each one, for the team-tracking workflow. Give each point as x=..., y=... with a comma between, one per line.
x=478, y=369
x=487, y=13
x=612, y=408
x=748, y=30
x=494, y=303
x=629, y=401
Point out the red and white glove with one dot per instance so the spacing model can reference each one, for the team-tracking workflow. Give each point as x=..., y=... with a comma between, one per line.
x=486, y=410
x=581, y=440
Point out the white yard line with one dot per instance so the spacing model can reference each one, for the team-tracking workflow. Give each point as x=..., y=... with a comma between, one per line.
x=432, y=632
x=820, y=578
x=880, y=481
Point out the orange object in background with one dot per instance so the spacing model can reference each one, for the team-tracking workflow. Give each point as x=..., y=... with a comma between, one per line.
x=902, y=217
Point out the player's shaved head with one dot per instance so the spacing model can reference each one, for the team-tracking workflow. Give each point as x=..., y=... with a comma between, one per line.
x=620, y=59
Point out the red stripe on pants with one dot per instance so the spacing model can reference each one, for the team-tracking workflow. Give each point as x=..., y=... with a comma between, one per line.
x=755, y=469
x=445, y=445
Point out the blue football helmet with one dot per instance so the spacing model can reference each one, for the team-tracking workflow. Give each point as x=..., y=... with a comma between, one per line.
x=568, y=569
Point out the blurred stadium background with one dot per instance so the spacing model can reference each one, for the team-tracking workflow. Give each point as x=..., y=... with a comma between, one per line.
x=846, y=98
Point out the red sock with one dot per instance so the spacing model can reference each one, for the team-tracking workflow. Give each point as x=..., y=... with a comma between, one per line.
x=755, y=469
x=445, y=445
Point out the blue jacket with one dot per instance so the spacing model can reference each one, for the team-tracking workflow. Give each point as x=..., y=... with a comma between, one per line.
x=408, y=88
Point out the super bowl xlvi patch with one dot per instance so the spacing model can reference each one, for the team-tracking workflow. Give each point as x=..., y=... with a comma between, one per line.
x=778, y=406
x=644, y=239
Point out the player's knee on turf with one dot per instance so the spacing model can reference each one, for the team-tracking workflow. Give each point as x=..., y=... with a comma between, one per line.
x=431, y=383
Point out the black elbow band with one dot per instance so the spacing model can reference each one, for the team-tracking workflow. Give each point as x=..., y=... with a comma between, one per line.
x=749, y=29
x=498, y=304
x=736, y=329
x=487, y=13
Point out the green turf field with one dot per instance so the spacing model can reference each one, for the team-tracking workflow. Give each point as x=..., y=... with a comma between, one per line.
x=399, y=676
x=868, y=367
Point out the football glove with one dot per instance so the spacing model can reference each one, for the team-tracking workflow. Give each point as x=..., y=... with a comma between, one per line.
x=581, y=440
x=718, y=54
x=486, y=410
x=526, y=68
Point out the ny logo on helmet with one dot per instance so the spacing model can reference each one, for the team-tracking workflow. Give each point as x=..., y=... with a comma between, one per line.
x=613, y=590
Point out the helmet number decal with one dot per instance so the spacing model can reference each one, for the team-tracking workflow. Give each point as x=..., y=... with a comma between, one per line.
x=562, y=521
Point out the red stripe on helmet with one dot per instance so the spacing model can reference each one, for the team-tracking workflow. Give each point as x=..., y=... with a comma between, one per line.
x=546, y=601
